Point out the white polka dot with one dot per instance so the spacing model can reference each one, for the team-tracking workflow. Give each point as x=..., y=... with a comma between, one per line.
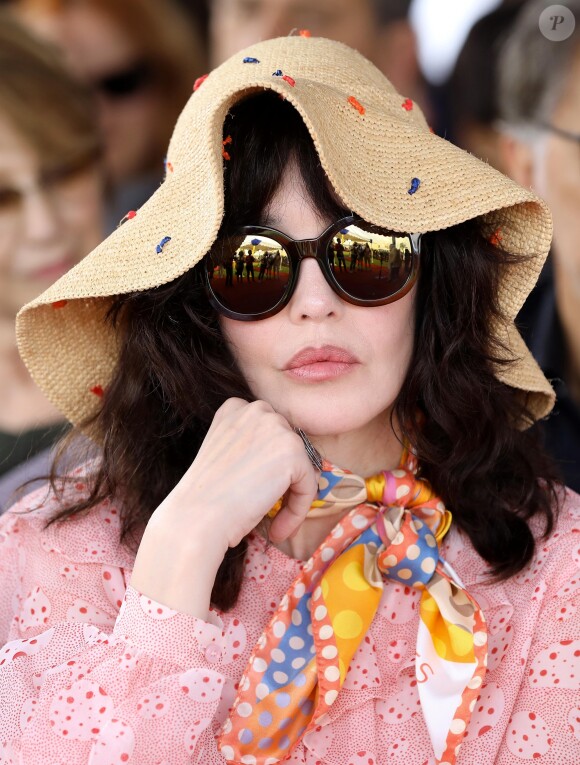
x=326, y=632
x=413, y=552
x=329, y=651
x=457, y=726
x=296, y=618
x=417, y=524
x=320, y=613
x=248, y=759
x=259, y=664
x=299, y=590
x=398, y=539
x=298, y=663
x=428, y=565
x=480, y=638
x=430, y=539
x=309, y=629
x=390, y=560
x=227, y=752
x=277, y=655
x=227, y=726
x=262, y=691
x=280, y=677
x=317, y=593
x=404, y=573
x=244, y=683
x=398, y=473
x=296, y=643
x=244, y=709
x=278, y=628
x=402, y=491
x=284, y=603
x=327, y=553
x=337, y=532
x=332, y=674
x=475, y=682
x=440, y=506
x=330, y=697
x=359, y=521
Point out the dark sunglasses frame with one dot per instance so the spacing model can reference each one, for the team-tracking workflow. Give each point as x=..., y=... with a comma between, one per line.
x=300, y=249
x=125, y=82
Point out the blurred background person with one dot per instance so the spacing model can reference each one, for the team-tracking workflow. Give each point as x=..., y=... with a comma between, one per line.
x=140, y=58
x=540, y=111
x=471, y=94
x=379, y=29
x=51, y=191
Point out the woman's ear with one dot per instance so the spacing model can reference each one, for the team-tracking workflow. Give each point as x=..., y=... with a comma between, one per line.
x=518, y=160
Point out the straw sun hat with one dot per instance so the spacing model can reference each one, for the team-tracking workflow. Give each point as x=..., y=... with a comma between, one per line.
x=380, y=157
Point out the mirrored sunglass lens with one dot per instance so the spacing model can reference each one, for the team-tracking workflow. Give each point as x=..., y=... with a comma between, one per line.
x=248, y=274
x=370, y=265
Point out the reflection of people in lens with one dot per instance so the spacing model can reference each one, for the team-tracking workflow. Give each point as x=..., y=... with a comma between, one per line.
x=264, y=263
x=367, y=256
x=239, y=259
x=339, y=249
x=249, y=265
x=229, y=269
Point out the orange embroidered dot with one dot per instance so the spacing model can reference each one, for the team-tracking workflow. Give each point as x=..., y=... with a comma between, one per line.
x=357, y=105
x=225, y=142
x=305, y=33
x=59, y=303
x=496, y=237
x=199, y=82
x=407, y=104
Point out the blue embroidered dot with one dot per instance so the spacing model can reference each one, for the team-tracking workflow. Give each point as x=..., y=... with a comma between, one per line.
x=162, y=244
x=277, y=73
x=415, y=182
x=251, y=60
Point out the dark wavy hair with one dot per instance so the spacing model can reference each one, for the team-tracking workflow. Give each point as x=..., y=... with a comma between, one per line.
x=457, y=415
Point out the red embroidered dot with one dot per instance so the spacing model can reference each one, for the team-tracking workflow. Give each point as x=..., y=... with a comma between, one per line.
x=407, y=104
x=59, y=303
x=98, y=391
x=199, y=82
x=305, y=33
x=358, y=106
x=496, y=237
x=290, y=80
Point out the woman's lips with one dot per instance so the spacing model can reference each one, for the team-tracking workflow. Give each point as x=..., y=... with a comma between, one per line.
x=319, y=364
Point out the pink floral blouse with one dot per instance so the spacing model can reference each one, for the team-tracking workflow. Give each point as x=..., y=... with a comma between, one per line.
x=96, y=673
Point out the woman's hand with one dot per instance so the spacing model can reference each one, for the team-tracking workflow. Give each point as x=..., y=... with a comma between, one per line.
x=249, y=459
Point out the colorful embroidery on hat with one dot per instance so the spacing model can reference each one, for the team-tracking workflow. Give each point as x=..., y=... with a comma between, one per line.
x=407, y=104
x=59, y=304
x=286, y=77
x=357, y=105
x=98, y=390
x=415, y=183
x=199, y=82
x=496, y=237
x=305, y=33
x=126, y=217
x=251, y=60
x=277, y=73
x=162, y=244
x=167, y=165
x=227, y=141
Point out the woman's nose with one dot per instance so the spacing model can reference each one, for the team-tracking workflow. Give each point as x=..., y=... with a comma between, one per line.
x=41, y=216
x=313, y=297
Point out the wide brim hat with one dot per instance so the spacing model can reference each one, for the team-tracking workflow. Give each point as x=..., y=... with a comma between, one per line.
x=382, y=160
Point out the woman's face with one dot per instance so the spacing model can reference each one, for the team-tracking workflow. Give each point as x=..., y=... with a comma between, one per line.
x=48, y=221
x=325, y=398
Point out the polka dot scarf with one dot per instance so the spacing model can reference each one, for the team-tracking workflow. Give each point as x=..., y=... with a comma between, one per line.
x=299, y=664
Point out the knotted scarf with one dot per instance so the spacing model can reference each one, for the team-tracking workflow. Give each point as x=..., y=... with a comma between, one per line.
x=299, y=664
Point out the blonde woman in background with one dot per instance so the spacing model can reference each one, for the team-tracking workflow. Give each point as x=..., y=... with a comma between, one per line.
x=141, y=58
x=51, y=189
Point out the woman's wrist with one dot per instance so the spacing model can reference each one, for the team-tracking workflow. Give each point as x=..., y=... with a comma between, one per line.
x=178, y=573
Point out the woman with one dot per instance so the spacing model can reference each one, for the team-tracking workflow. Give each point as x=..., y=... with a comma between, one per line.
x=196, y=604
x=141, y=58
x=51, y=191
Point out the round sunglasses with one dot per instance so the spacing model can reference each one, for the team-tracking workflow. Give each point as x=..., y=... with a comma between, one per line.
x=252, y=274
